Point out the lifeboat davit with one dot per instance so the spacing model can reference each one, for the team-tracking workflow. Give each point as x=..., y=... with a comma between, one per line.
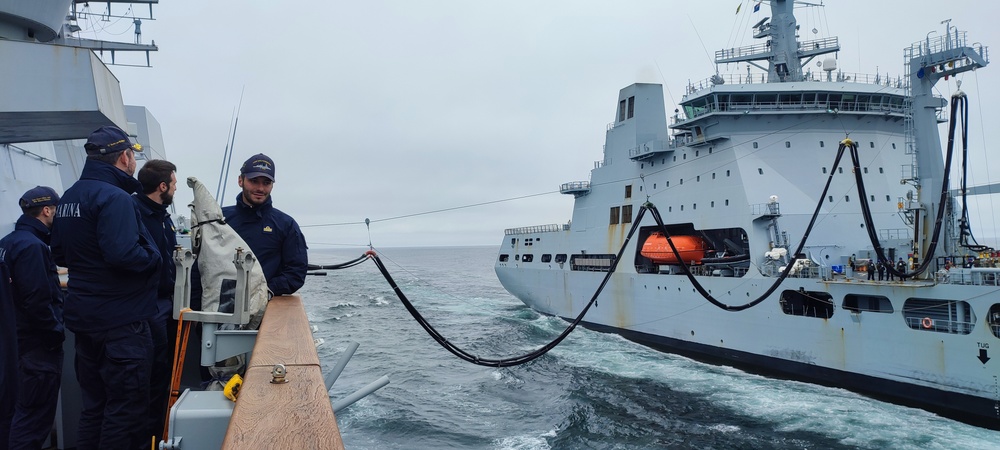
x=690, y=248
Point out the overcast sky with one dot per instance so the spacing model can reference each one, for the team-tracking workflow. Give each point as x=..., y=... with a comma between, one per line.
x=382, y=109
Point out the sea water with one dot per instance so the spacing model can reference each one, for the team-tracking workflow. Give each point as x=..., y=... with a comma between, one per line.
x=593, y=391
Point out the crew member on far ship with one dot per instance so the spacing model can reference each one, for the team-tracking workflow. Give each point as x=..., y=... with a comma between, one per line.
x=38, y=312
x=273, y=236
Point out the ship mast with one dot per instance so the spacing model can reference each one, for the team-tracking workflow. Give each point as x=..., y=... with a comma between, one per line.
x=928, y=61
x=784, y=54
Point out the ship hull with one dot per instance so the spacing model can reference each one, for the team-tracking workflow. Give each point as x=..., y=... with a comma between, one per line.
x=872, y=353
x=966, y=408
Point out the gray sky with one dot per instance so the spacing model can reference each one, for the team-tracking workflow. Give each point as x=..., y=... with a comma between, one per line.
x=381, y=109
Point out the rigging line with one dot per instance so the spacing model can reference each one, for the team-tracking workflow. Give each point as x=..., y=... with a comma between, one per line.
x=436, y=211
x=522, y=359
x=705, y=49
x=985, y=154
x=232, y=141
x=784, y=274
x=225, y=157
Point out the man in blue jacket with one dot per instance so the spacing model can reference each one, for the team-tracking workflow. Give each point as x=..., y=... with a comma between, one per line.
x=159, y=182
x=8, y=355
x=38, y=311
x=273, y=236
x=113, y=276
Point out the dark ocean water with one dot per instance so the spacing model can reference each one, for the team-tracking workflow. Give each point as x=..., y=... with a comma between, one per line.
x=593, y=391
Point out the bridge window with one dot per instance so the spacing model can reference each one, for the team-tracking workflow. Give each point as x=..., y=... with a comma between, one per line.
x=621, y=111
x=942, y=316
x=546, y=258
x=631, y=106
x=527, y=257
x=504, y=257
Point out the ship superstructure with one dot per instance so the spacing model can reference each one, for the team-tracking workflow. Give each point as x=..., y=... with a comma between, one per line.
x=737, y=174
x=58, y=91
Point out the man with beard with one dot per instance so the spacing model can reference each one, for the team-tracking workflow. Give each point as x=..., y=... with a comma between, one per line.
x=159, y=182
x=273, y=236
x=114, y=268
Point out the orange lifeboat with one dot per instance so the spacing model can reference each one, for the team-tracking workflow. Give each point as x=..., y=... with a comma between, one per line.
x=656, y=248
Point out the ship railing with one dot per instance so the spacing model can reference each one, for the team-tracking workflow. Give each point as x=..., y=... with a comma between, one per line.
x=894, y=233
x=783, y=102
x=764, y=49
x=574, y=186
x=550, y=228
x=766, y=209
x=940, y=325
x=755, y=78
x=976, y=276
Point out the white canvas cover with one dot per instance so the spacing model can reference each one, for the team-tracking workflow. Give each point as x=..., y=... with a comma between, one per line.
x=215, y=245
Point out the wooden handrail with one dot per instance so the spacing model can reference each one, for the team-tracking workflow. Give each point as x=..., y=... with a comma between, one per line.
x=295, y=414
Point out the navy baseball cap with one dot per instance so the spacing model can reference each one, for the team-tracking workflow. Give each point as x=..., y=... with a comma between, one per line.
x=39, y=196
x=109, y=139
x=259, y=165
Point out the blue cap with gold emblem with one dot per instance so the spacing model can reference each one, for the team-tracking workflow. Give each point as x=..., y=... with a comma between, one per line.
x=107, y=140
x=39, y=196
x=259, y=165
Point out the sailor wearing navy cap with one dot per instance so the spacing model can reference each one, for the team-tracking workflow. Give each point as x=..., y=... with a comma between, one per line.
x=113, y=275
x=38, y=313
x=273, y=236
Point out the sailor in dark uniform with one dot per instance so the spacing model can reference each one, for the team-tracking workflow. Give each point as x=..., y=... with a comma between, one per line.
x=273, y=236
x=8, y=355
x=114, y=272
x=159, y=182
x=38, y=312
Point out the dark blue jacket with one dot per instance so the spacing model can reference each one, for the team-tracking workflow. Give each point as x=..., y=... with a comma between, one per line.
x=275, y=240
x=112, y=260
x=157, y=221
x=38, y=299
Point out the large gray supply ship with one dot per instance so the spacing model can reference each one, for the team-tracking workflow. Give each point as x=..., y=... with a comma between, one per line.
x=737, y=175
